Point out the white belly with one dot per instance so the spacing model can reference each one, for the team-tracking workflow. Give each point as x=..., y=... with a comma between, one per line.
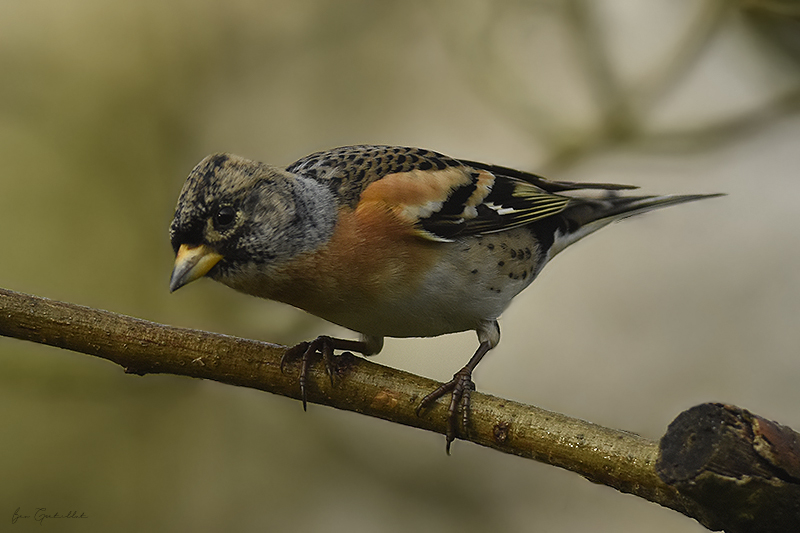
x=474, y=282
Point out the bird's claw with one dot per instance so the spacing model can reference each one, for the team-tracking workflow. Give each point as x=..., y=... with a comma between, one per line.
x=305, y=351
x=460, y=388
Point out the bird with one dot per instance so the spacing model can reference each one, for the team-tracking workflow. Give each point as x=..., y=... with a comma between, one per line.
x=387, y=241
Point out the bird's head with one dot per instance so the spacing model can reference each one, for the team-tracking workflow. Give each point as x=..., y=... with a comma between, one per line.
x=237, y=218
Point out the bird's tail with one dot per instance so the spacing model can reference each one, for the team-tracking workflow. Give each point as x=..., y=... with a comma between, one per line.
x=586, y=216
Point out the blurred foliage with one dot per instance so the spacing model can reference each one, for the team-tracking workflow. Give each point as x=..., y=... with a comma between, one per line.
x=105, y=107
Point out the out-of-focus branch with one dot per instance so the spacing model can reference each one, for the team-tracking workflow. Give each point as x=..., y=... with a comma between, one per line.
x=615, y=458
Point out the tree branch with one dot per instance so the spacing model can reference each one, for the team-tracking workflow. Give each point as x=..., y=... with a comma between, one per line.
x=615, y=458
x=743, y=469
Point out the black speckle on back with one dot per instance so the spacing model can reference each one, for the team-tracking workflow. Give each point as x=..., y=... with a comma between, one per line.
x=440, y=165
x=350, y=169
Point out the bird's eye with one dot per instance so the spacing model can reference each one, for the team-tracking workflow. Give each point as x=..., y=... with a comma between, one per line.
x=225, y=216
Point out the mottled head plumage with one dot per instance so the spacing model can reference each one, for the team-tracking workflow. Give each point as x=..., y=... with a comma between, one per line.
x=218, y=181
x=249, y=212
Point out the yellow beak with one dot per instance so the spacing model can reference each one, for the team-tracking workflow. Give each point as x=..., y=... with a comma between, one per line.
x=192, y=262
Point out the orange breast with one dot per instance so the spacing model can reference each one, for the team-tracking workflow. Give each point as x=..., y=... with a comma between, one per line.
x=373, y=256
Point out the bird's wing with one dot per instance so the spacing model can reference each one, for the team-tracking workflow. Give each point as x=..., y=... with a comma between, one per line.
x=349, y=170
x=482, y=202
x=439, y=197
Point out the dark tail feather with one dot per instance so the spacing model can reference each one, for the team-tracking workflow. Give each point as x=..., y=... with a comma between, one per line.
x=587, y=216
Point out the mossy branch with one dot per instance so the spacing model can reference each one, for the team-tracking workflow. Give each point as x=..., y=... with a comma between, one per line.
x=615, y=458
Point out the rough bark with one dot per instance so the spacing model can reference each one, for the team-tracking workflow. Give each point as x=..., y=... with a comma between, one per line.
x=698, y=485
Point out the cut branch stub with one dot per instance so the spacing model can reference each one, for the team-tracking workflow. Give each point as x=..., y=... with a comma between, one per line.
x=742, y=469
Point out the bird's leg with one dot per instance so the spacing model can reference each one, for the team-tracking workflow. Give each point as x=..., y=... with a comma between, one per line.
x=324, y=346
x=460, y=388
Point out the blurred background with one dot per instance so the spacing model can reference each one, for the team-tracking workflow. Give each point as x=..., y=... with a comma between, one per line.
x=106, y=106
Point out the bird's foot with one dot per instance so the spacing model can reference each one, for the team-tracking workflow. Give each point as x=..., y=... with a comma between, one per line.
x=323, y=346
x=460, y=388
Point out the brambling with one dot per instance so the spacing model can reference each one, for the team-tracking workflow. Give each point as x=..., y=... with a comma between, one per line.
x=386, y=241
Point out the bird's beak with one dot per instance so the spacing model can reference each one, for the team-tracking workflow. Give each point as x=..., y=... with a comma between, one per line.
x=192, y=262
